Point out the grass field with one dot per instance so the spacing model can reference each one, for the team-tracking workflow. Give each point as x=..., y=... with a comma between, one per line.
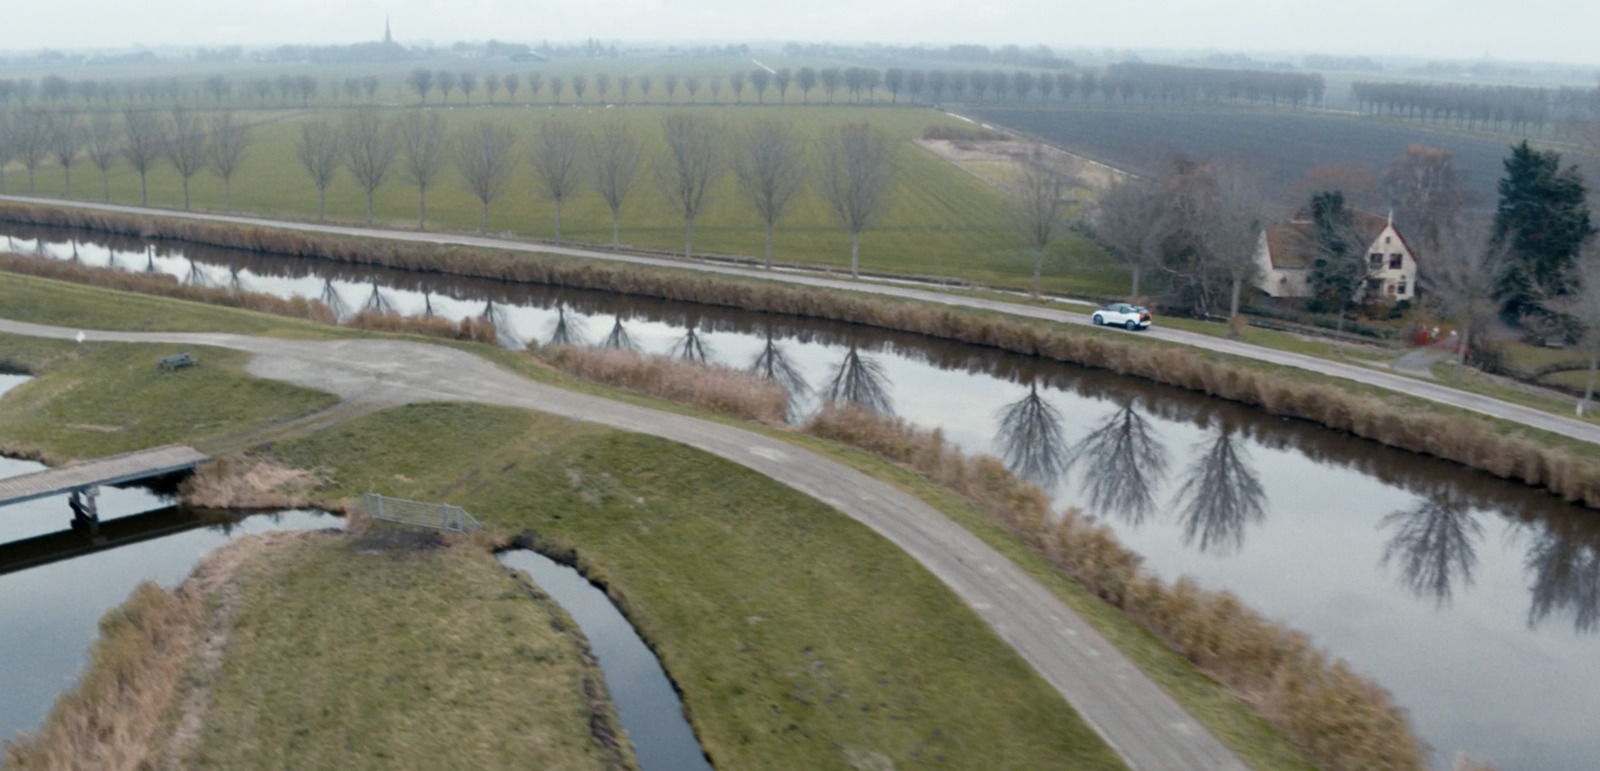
x=439, y=660
x=107, y=398
x=943, y=221
x=799, y=638
x=1279, y=148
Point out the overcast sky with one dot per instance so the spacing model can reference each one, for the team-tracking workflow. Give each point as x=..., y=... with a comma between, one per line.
x=1539, y=30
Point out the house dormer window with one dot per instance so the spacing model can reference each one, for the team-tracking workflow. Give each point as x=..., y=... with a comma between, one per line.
x=1387, y=240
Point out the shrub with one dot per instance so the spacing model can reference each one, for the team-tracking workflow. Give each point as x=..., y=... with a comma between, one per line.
x=716, y=388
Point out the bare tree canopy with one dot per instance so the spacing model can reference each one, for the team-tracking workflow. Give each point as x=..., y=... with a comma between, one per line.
x=102, y=144
x=513, y=82
x=371, y=144
x=1581, y=303
x=555, y=162
x=1435, y=545
x=422, y=139
x=858, y=380
x=1220, y=496
x=1124, y=463
x=320, y=151
x=1037, y=211
x=535, y=83
x=446, y=81
x=30, y=140
x=692, y=163
x=857, y=173
x=66, y=141
x=230, y=138
x=614, y=161
x=1459, y=273
x=770, y=166
x=1229, y=229
x=188, y=147
x=486, y=156
x=146, y=141
x=469, y=83
x=1427, y=192
x=1031, y=440
x=1133, y=217
x=773, y=365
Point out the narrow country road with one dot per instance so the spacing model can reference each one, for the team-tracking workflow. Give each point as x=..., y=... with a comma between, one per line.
x=1138, y=719
x=1392, y=381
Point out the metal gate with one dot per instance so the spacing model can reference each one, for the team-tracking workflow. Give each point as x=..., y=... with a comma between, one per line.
x=440, y=516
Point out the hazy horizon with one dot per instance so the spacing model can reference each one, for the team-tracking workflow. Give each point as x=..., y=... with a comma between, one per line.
x=1540, y=30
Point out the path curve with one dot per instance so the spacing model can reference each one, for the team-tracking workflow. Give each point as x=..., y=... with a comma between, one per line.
x=1134, y=715
x=1432, y=391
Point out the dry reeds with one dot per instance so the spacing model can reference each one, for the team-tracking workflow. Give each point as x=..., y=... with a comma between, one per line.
x=1470, y=442
x=1340, y=719
x=116, y=716
x=235, y=482
x=722, y=390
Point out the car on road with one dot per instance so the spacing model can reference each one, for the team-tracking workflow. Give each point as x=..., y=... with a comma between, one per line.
x=1123, y=315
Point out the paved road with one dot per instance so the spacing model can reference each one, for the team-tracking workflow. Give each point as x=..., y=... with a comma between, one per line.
x=1134, y=715
x=1383, y=379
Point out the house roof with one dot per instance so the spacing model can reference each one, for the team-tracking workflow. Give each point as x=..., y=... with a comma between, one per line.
x=1290, y=244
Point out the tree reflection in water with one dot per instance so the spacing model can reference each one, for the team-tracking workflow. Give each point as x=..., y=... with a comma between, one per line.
x=1124, y=463
x=690, y=347
x=773, y=365
x=196, y=276
x=1220, y=495
x=501, y=321
x=567, y=331
x=1566, y=577
x=378, y=301
x=1030, y=439
x=619, y=339
x=859, y=380
x=1434, y=545
x=335, y=302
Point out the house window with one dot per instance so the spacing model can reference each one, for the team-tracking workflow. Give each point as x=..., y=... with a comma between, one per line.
x=1374, y=284
x=1401, y=289
x=1387, y=239
x=1376, y=259
x=1390, y=288
x=1395, y=261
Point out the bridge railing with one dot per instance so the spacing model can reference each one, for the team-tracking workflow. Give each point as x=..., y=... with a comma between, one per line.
x=440, y=516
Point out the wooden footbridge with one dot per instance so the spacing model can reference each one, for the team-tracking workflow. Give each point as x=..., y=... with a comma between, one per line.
x=80, y=480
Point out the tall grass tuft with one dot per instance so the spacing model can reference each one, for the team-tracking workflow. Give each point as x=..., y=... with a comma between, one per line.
x=1339, y=718
x=712, y=387
x=1470, y=442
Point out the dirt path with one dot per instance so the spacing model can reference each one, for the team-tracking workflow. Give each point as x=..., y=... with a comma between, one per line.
x=1138, y=719
x=1392, y=381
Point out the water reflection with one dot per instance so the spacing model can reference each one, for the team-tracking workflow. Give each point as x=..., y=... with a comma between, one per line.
x=330, y=297
x=1434, y=545
x=1220, y=495
x=1124, y=463
x=1031, y=439
x=690, y=347
x=773, y=365
x=859, y=381
x=619, y=338
x=568, y=331
x=1565, y=566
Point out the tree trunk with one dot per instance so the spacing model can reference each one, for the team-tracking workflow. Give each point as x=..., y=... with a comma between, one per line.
x=615, y=245
x=369, y=208
x=66, y=181
x=144, y=195
x=1133, y=293
x=185, y=193
x=1588, y=389
x=227, y=195
x=688, y=235
x=558, y=222
x=855, y=261
x=1461, y=347
x=769, y=244
x=1233, y=301
x=1038, y=264
x=105, y=182
x=30, y=180
x=422, y=208
x=483, y=229
x=322, y=203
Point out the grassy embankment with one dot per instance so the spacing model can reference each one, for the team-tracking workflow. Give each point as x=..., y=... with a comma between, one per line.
x=943, y=222
x=1214, y=704
x=266, y=658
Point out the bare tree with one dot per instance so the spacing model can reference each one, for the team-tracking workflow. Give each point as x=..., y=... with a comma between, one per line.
x=66, y=141
x=535, y=83
x=146, y=141
x=1434, y=544
x=1038, y=206
x=371, y=143
x=614, y=162
x=857, y=174
x=230, y=138
x=858, y=380
x=670, y=83
x=624, y=86
x=320, y=151
x=556, y=86
x=1461, y=269
x=555, y=163
x=645, y=83
x=262, y=88
x=469, y=83
x=1231, y=229
x=1031, y=440
x=421, y=81
x=831, y=78
x=691, y=84
x=806, y=79
x=1221, y=495
x=692, y=164
x=369, y=84
x=491, y=86
x=306, y=86
x=773, y=364
x=771, y=170
x=715, y=84
x=188, y=147
x=760, y=80
x=782, y=79
x=580, y=84
x=422, y=139
x=30, y=140
x=736, y=82
x=1427, y=192
x=602, y=85
x=1124, y=464
x=103, y=143
x=446, y=81
x=1133, y=217
x=486, y=156
x=513, y=82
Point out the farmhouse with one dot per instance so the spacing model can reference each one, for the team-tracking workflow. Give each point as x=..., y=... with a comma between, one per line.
x=1285, y=252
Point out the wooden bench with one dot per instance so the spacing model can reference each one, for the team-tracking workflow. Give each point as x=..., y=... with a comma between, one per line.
x=177, y=361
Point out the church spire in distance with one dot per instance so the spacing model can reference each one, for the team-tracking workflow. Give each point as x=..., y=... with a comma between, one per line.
x=387, y=38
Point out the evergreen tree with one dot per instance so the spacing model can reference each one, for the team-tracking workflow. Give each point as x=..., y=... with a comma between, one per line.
x=1338, y=263
x=1544, y=219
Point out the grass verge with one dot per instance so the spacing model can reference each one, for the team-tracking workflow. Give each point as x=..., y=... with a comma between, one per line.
x=799, y=638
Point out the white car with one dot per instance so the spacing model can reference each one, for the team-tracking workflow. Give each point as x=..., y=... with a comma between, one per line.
x=1123, y=315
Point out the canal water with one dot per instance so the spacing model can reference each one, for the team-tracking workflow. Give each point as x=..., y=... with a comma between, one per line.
x=1473, y=599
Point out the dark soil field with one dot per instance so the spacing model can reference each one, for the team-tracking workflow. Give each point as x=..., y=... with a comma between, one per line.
x=1279, y=148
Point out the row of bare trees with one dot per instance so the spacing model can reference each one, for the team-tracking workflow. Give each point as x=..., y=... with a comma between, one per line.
x=143, y=138
x=852, y=165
